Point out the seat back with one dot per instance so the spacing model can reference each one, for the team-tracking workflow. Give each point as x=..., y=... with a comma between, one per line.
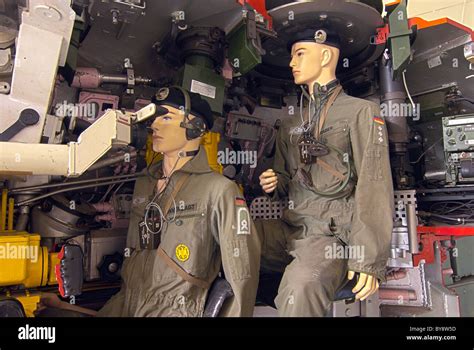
x=219, y=292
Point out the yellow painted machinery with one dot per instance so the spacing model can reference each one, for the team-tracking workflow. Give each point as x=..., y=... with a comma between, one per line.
x=24, y=262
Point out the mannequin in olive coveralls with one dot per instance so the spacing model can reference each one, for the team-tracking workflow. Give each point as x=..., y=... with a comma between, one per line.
x=211, y=224
x=359, y=217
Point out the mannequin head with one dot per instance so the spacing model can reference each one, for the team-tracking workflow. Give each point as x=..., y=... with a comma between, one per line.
x=171, y=125
x=313, y=63
x=169, y=137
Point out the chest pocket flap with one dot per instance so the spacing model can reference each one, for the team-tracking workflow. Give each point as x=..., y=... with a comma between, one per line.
x=187, y=239
x=337, y=135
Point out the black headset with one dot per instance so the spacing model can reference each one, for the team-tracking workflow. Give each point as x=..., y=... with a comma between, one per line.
x=196, y=127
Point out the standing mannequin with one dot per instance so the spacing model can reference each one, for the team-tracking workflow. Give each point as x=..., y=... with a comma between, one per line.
x=342, y=194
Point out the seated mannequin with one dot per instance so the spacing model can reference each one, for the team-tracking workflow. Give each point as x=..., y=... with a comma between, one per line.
x=187, y=222
x=333, y=165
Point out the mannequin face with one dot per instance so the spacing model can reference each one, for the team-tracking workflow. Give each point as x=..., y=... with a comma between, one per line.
x=312, y=62
x=168, y=136
x=305, y=62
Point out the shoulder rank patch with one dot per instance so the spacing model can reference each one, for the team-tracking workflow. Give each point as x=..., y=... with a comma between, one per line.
x=243, y=217
x=379, y=137
x=379, y=120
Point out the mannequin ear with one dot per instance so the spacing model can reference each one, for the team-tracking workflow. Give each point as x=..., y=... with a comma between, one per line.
x=326, y=56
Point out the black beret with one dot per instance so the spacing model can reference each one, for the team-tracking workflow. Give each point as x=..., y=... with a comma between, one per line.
x=174, y=97
x=316, y=34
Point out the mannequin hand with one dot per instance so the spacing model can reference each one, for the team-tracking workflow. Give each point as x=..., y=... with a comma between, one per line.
x=268, y=181
x=366, y=285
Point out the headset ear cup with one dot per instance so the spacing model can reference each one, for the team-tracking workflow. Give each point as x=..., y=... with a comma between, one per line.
x=198, y=128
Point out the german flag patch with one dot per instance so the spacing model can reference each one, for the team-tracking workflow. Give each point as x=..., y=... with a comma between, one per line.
x=379, y=120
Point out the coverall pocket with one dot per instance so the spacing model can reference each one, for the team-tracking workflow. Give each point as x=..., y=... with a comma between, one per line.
x=239, y=262
x=340, y=227
x=374, y=164
x=188, y=243
x=337, y=136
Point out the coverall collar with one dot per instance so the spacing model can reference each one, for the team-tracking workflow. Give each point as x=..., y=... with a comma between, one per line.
x=196, y=165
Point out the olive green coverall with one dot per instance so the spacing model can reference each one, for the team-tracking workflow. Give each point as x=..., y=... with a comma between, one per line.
x=211, y=224
x=313, y=228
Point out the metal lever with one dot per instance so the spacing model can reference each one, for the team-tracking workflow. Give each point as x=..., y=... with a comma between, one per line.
x=27, y=117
